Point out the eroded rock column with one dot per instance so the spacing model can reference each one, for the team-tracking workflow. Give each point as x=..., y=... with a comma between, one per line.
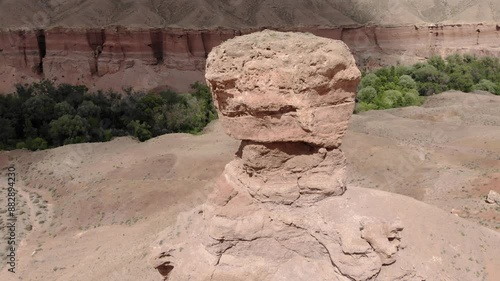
x=273, y=215
x=289, y=98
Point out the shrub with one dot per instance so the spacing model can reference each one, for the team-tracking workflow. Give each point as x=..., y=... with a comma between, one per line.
x=437, y=62
x=36, y=144
x=88, y=109
x=203, y=95
x=140, y=130
x=367, y=94
x=186, y=117
x=461, y=81
x=370, y=79
x=63, y=108
x=430, y=88
x=7, y=131
x=39, y=108
x=397, y=86
x=363, y=106
x=390, y=99
x=407, y=83
x=20, y=145
x=486, y=85
x=108, y=135
x=411, y=98
x=69, y=129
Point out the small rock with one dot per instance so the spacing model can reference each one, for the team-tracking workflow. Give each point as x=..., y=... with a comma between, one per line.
x=493, y=198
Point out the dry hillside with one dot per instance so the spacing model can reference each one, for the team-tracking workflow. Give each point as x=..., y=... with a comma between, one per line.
x=242, y=13
x=445, y=153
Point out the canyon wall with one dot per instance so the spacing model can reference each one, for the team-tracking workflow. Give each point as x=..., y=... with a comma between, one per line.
x=117, y=57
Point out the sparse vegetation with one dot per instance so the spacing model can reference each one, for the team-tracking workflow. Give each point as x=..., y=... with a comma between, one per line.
x=399, y=86
x=43, y=115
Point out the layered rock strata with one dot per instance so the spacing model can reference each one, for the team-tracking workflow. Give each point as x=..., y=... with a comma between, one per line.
x=116, y=57
x=288, y=97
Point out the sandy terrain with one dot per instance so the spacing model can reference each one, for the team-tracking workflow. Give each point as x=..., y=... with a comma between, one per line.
x=239, y=13
x=109, y=198
x=445, y=153
x=103, y=204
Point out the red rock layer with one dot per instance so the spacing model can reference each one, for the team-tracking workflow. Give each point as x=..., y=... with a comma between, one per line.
x=145, y=59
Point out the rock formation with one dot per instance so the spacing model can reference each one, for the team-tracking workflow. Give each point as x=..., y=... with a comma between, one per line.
x=493, y=197
x=288, y=97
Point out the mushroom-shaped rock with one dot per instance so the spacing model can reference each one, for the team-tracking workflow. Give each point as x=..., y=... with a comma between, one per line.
x=288, y=97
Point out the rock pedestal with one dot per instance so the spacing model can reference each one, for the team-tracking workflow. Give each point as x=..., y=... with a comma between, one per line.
x=288, y=97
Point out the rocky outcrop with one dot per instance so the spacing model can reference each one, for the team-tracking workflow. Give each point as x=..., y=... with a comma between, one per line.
x=288, y=97
x=493, y=197
x=116, y=57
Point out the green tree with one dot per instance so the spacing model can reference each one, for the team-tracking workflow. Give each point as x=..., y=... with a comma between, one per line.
x=202, y=93
x=63, y=108
x=146, y=108
x=7, y=132
x=390, y=99
x=74, y=95
x=370, y=80
x=427, y=73
x=43, y=88
x=411, y=98
x=363, y=106
x=437, y=62
x=407, y=83
x=88, y=109
x=140, y=130
x=69, y=129
x=367, y=94
x=486, y=85
x=36, y=144
x=29, y=131
x=461, y=81
x=39, y=109
x=21, y=145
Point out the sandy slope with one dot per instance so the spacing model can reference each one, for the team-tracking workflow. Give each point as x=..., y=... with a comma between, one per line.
x=107, y=202
x=242, y=13
x=446, y=153
x=110, y=200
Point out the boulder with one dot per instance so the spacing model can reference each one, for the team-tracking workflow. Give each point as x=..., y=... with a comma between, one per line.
x=493, y=197
x=283, y=87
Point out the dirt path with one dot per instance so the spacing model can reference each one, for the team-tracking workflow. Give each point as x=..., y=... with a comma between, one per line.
x=21, y=191
x=35, y=223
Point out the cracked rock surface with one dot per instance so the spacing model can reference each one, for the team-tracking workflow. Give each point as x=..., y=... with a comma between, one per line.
x=288, y=97
x=284, y=87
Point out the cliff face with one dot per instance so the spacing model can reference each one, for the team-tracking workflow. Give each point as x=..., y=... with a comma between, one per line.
x=145, y=59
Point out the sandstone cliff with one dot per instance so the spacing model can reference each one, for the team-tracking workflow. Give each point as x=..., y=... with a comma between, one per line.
x=117, y=57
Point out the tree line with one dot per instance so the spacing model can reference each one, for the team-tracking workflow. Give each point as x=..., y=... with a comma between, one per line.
x=43, y=115
x=398, y=86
